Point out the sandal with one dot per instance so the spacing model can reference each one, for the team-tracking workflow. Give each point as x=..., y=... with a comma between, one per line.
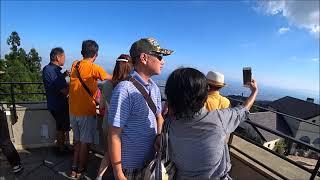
x=74, y=172
x=81, y=173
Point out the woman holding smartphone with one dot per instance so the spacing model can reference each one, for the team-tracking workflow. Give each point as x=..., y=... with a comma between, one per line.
x=197, y=137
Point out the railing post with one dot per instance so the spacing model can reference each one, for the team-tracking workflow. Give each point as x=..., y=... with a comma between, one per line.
x=315, y=170
x=14, y=119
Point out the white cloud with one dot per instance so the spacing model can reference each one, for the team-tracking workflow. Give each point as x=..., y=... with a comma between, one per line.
x=303, y=14
x=283, y=30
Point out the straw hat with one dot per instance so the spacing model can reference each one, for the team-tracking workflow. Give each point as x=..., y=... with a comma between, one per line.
x=215, y=79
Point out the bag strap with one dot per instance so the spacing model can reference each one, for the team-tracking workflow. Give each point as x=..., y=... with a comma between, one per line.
x=144, y=93
x=165, y=141
x=82, y=82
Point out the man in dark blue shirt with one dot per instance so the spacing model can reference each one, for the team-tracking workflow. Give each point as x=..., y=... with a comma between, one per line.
x=57, y=90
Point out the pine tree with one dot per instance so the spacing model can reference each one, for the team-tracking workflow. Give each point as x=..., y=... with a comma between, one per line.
x=2, y=73
x=14, y=41
x=19, y=66
x=34, y=64
x=2, y=68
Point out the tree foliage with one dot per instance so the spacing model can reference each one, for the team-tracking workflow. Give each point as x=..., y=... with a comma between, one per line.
x=14, y=41
x=19, y=66
x=280, y=147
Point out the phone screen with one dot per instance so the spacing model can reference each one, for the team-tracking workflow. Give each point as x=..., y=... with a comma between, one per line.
x=246, y=75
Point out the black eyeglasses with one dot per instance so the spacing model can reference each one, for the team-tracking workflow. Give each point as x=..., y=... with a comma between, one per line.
x=157, y=55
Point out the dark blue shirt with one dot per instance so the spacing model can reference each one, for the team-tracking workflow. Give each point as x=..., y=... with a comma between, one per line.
x=54, y=81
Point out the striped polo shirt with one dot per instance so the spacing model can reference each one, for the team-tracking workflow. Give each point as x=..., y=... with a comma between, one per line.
x=130, y=111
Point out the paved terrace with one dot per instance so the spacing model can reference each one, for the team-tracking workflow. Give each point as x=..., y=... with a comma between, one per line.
x=57, y=168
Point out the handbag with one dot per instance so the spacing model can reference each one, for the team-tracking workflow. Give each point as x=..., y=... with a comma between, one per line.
x=168, y=164
x=154, y=169
x=84, y=85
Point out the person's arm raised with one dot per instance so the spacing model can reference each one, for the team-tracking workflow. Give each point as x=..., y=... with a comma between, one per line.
x=232, y=117
x=254, y=91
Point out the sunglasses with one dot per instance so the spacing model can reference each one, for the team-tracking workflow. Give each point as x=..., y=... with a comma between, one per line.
x=157, y=55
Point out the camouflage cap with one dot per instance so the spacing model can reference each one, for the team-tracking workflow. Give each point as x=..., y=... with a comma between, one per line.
x=146, y=45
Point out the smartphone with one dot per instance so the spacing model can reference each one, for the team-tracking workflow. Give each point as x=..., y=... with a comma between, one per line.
x=246, y=76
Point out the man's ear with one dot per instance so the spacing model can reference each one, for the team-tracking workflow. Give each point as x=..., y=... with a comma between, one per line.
x=143, y=58
x=57, y=58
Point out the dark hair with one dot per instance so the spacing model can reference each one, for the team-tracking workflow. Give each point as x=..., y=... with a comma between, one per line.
x=121, y=69
x=186, y=91
x=89, y=48
x=213, y=88
x=55, y=52
x=135, y=60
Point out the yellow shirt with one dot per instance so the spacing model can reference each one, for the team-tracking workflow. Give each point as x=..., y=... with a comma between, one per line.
x=216, y=101
x=80, y=102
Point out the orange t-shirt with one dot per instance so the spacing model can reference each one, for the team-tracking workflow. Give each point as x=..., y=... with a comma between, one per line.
x=80, y=102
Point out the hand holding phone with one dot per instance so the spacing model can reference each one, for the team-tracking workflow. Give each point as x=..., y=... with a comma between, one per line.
x=247, y=76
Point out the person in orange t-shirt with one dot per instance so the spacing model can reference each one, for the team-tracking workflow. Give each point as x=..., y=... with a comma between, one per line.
x=82, y=105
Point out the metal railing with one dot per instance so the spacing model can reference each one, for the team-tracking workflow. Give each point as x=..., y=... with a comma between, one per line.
x=13, y=94
x=314, y=172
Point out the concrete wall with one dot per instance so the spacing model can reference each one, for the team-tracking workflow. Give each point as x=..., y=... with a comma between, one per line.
x=268, y=159
x=33, y=121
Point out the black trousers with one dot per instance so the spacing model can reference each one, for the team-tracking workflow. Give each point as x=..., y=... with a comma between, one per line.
x=5, y=143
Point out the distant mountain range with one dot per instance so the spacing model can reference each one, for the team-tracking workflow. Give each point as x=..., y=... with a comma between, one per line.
x=266, y=93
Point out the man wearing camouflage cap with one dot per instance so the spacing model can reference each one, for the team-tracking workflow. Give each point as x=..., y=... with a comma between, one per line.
x=133, y=125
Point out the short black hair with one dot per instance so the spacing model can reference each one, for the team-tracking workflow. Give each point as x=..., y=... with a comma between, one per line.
x=186, y=90
x=135, y=60
x=89, y=48
x=55, y=52
x=213, y=88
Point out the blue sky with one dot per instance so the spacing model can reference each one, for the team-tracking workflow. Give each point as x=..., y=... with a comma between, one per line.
x=278, y=39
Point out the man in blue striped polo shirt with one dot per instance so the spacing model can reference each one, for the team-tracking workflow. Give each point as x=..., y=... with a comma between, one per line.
x=133, y=127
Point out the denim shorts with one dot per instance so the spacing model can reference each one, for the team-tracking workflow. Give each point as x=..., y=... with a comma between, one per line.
x=84, y=128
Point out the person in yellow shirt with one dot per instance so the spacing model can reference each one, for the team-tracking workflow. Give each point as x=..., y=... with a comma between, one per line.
x=215, y=100
x=83, y=92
